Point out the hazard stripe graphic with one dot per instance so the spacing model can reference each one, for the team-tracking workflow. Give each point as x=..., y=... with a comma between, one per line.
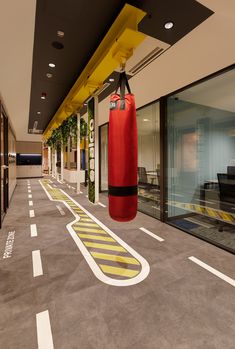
x=110, y=258
x=207, y=211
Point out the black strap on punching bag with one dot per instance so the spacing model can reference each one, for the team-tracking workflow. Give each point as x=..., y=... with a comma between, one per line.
x=123, y=84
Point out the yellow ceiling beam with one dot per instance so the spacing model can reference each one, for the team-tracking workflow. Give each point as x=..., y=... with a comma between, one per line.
x=116, y=47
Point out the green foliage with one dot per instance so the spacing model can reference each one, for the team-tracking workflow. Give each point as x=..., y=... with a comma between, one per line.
x=66, y=129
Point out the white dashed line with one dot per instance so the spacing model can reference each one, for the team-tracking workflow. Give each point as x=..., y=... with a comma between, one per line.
x=61, y=210
x=86, y=196
x=213, y=271
x=44, y=335
x=30, y=196
x=33, y=230
x=100, y=203
x=31, y=213
x=55, y=186
x=37, y=263
x=152, y=234
x=29, y=191
x=30, y=203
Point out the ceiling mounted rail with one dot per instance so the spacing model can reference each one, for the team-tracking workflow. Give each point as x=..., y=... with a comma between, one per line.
x=116, y=47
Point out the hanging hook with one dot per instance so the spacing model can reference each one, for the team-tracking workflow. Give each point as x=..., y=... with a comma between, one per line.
x=123, y=65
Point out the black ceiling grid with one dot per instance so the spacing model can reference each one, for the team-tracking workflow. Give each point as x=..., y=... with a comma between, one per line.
x=85, y=24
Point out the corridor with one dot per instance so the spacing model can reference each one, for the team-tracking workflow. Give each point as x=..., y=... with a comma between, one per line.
x=73, y=278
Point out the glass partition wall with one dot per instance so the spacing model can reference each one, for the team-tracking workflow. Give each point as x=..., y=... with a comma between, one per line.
x=148, y=122
x=148, y=159
x=201, y=160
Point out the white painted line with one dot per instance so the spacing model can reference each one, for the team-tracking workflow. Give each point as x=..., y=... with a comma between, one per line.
x=207, y=202
x=33, y=230
x=55, y=186
x=100, y=203
x=29, y=191
x=205, y=225
x=37, y=263
x=31, y=213
x=152, y=234
x=86, y=196
x=213, y=271
x=81, y=192
x=30, y=203
x=91, y=262
x=180, y=196
x=30, y=196
x=44, y=335
x=61, y=210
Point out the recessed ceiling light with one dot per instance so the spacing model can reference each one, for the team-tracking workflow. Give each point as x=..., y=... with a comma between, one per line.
x=111, y=80
x=49, y=75
x=52, y=65
x=169, y=25
x=43, y=95
x=85, y=104
x=145, y=119
x=60, y=33
x=38, y=112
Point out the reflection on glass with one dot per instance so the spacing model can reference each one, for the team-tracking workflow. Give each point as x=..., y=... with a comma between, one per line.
x=149, y=160
x=201, y=160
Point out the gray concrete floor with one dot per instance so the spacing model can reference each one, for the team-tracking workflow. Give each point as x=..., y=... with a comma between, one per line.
x=179, y=304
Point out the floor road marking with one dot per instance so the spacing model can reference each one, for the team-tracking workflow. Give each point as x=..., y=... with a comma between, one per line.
x=100, y=203
x=33, y=230
x=30, y=203
x=152, y=234
x=37, y=263
x=44, y=335
x=212, y=270
x=30, y=196
x=61, y=210
x=31, y=213
x=111, y=259
x=29, y=191
x=119, y=271
x=96, y=237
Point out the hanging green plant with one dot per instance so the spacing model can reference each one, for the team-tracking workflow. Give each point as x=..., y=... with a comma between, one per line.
x=67, y=129
x=83, y=128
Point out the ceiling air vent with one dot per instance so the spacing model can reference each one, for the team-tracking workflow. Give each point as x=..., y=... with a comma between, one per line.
x=145, y=61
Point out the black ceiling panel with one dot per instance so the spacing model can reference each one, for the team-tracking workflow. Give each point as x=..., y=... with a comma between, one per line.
x=85, y=23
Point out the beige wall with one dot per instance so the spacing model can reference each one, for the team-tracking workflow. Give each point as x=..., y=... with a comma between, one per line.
x=29, y=147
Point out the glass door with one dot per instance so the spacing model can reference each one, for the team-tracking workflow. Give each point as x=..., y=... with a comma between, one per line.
x=103, y=157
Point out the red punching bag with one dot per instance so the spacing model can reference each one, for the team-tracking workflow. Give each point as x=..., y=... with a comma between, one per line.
x=122, y=154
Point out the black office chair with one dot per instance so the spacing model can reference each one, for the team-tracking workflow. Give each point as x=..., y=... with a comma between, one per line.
x=231, y=170
x=143, y=179
x=226, y=193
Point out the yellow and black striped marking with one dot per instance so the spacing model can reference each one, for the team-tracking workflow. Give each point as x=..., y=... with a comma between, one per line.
x=206, y=211
x=110, y=258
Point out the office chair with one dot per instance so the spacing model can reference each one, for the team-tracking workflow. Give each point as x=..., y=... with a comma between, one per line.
x=231, y=170
x=226, y=193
